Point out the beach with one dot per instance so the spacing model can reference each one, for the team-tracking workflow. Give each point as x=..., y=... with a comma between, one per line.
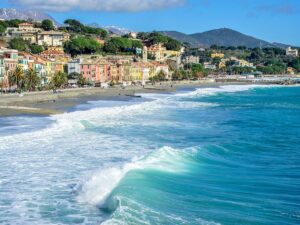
x=49, y=103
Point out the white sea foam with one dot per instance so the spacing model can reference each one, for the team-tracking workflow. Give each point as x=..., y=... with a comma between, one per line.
x=96, y=190
x=222, y=89
x=115, y=115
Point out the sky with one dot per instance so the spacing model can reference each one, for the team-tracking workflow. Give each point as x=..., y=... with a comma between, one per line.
x=270, y=20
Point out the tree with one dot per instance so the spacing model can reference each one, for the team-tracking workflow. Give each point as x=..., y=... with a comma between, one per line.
x=161, y=76
x=81, y=81
x=36, y=49
x=121, y=44
x=31, y=79
x=47, y=25
x=197, y=70
x=82, y=45
x=173, y=45
x=14, y=22
x=142, y=36
x=17, y=78
x=59, y=80
x=19, y=44
x=77, y=27
x=2, y=28
x=74, y=76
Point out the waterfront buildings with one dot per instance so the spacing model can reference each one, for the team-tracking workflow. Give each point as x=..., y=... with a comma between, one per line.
x=8, y=64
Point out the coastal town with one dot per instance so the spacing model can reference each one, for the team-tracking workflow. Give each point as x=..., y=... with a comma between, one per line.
x=41, y=56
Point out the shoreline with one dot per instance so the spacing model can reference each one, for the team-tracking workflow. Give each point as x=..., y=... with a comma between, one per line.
x=47, y=103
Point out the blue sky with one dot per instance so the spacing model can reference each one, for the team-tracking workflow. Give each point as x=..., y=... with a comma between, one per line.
x=271, y=20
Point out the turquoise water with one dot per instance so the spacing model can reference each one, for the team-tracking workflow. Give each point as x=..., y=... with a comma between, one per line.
x=215, y=155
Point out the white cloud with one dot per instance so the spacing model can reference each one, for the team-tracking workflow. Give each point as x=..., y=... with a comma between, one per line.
x=98, y=5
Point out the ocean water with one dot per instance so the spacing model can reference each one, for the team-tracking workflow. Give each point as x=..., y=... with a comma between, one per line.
x=214, y=155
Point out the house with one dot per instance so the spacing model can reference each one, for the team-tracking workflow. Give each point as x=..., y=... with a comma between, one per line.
x=291, y=52
x=139, y=71
x=191, y=59
x=54, y=53
x=132, y=35
x=25, y=60
x=222, y=64
x=74, y=66
x=159, y=53
x=159, y=67
x=28, y=32
x=210, y=66
x=217, y=55
x=8, y=64
x=90, y=70
x=52, y=38
x=241, y=62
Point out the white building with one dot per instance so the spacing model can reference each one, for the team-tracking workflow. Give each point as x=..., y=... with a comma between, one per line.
x=52, y=38
x=191, y=59
x=210, y=66
x=291, y=52
x=74, y=66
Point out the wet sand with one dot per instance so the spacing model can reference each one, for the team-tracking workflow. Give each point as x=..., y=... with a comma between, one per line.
x=49, y=103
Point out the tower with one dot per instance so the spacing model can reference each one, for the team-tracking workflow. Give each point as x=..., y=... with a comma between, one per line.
x=145, y=54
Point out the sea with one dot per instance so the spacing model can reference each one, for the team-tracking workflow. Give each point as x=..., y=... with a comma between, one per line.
x=204, y=155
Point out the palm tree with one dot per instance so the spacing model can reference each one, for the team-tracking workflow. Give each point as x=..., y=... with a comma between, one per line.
x=59, y=80
x=31, y=79
x=16, y=78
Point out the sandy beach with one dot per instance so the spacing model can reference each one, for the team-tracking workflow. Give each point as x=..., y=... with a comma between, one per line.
x=48, y=103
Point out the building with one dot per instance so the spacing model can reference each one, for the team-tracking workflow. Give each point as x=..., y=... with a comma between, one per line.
x=52, y=38
x=291, y=52
x=217, y=55
x=28, y=32
x=210, y=66
x=159, y=67
x=222, y=64
x=191, y=59
x=241, y=63
x=97, y=71
x=8, y=64
x=25, y=31
x=132, y=35
x=54, y=53
x=159, y=53
x=74, y=66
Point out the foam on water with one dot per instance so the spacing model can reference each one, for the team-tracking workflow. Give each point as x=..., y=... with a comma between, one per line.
x=96, y=190
x=42, y=160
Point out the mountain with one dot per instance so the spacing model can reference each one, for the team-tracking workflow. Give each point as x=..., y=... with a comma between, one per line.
x=184, y=38
x=112, y=29
x=221, y=37
x=10, y=13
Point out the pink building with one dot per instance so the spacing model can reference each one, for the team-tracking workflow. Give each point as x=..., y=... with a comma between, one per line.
x=97, y=72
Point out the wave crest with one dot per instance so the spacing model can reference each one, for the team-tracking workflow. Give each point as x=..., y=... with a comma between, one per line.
x=97, y=189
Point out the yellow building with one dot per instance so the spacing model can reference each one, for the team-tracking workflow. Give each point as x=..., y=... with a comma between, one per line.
x=222, y=65
x=159, y=53
x=217, y=55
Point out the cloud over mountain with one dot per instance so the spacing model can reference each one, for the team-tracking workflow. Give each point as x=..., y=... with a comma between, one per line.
x=98, y=5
